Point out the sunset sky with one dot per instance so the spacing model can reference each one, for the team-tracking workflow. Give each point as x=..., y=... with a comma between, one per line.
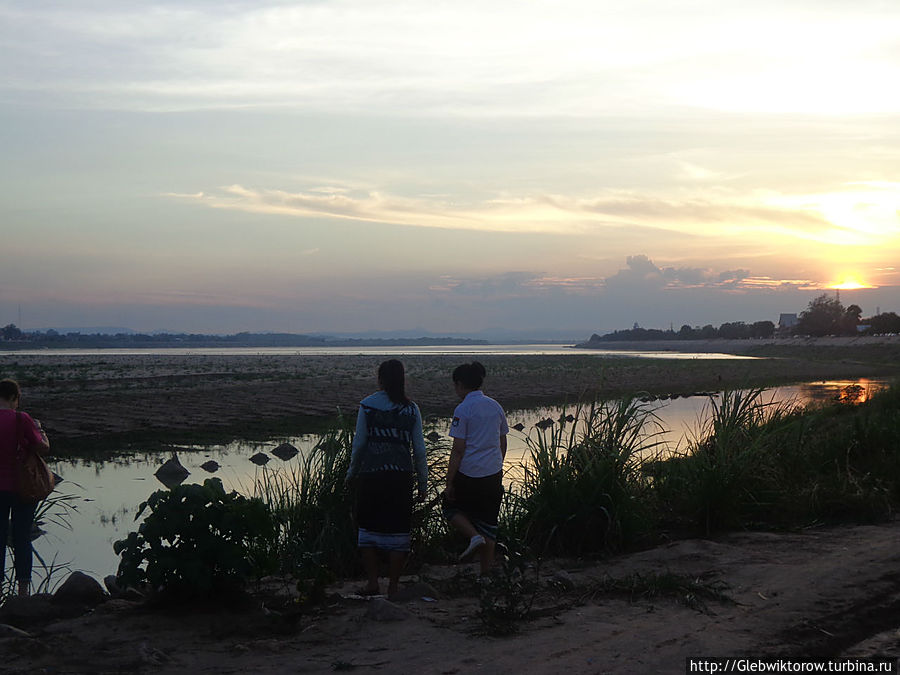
x=498, y=168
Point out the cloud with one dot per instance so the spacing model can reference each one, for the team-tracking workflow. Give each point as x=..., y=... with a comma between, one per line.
x=540, y=213
x=642, y=275
x=568, y=58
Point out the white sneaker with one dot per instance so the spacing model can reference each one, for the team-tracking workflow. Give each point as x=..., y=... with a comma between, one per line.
x=475, y=543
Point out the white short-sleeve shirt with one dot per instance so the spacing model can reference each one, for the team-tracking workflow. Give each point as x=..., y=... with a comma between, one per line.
x=480, y=420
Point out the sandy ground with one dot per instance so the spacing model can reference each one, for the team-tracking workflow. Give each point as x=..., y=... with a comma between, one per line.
x=85, y=398
x=823, y=593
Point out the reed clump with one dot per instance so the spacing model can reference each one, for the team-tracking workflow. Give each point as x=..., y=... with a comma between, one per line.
x=312, y=508
x=584, y=490
x=765, y=465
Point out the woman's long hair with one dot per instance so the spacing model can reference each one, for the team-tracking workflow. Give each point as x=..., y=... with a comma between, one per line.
x=392, y=378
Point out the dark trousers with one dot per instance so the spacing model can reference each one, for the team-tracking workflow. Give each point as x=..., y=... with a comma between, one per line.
x=22, y=518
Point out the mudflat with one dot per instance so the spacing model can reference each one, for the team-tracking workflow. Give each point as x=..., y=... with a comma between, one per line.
x=91, y=398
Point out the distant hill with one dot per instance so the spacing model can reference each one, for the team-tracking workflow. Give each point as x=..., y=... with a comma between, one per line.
x=14, y=339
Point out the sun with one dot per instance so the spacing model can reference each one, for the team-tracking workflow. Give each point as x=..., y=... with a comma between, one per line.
x=849, y=283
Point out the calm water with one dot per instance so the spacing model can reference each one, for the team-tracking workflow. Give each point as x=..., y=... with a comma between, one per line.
x=108, y=493
x=498, y=350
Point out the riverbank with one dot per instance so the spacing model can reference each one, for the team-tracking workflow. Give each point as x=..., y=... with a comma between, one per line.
x=772, y=595
x=116, y=399
x=886, y=344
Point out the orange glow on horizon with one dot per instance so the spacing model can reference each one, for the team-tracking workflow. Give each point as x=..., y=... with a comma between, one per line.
x=849, y=283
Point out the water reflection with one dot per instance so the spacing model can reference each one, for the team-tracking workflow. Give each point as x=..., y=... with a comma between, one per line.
x=108, y=492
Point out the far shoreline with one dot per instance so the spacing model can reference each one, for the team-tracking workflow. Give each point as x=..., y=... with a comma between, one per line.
x=748, y=346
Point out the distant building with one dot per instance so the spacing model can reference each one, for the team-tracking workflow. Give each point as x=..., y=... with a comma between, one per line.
x=786, y=323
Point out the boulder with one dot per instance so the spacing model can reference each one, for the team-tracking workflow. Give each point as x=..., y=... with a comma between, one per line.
x=172, y=473
x=80, y=589
x=285, y=451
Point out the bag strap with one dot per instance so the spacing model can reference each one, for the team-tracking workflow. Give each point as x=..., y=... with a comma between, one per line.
x=18, y=437
x=21, y=449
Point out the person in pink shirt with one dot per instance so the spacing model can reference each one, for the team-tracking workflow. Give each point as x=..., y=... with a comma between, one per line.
x=15, y=425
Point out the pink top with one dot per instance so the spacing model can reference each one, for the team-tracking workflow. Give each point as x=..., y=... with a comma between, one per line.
x=8, y=444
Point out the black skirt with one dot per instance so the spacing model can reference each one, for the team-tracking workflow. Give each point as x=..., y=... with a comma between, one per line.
x=384, y=502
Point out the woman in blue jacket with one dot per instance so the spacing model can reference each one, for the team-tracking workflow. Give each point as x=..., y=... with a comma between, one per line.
x=388, y=456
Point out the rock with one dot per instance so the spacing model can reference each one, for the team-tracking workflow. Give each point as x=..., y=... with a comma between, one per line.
x=380, y=609
x=518, y=426
x=433, y=436
x=80, y=589
x=172, y=473
x=211, y=466
x=285, y=451
x=260, y=459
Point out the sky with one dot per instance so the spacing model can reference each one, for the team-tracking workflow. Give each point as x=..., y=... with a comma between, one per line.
x=496, y=168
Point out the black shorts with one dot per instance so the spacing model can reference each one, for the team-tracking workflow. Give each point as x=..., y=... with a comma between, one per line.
x=478, y=499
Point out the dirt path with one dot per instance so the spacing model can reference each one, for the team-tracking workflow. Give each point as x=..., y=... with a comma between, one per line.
x=825, y=593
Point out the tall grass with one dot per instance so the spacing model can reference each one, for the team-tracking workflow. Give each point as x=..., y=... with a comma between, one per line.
x=312, y=507
x=584, y=489
x=728, y=472
x=758, y=464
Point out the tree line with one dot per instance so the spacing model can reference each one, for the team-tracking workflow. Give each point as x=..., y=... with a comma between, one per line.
x=823, y=316
x=12, y=337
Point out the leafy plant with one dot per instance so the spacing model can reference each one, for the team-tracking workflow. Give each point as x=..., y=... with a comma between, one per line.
x=506, y=596
x=196, y=540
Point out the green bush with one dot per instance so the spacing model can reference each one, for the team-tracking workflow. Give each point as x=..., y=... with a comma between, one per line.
x=197, y=540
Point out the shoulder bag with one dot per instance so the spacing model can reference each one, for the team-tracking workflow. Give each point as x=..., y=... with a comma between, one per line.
x=34, y=480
